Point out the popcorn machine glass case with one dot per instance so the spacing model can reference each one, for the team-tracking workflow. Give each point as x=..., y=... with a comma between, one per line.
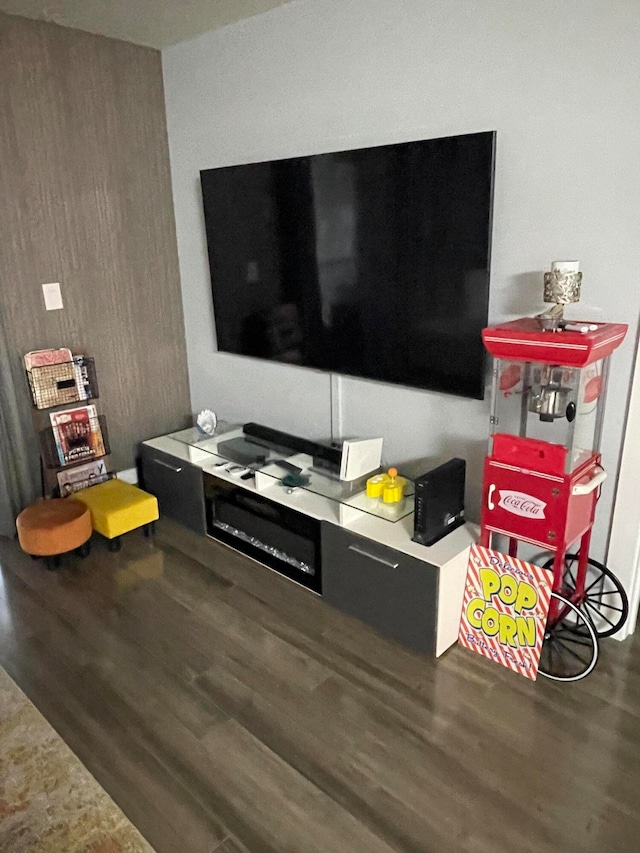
x=560, y=405
x=543, y=474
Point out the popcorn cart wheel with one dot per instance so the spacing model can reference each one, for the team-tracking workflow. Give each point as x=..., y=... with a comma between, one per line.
x=570, y=647
x=603, y=599
x=543, y=474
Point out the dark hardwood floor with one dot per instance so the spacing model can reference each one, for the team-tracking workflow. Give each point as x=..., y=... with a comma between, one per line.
x=226, y=709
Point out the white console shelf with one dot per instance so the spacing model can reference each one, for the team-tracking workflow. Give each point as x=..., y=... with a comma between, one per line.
x=345, y=521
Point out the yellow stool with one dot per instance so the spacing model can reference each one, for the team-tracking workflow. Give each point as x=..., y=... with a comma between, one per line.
x=118, y=507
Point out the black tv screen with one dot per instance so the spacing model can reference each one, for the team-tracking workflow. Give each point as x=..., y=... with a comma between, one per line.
x=370, y=263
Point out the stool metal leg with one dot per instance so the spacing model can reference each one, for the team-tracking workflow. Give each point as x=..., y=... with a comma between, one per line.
x=85, y=549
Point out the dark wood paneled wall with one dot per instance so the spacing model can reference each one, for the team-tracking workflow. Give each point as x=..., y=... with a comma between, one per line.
x=85, y=199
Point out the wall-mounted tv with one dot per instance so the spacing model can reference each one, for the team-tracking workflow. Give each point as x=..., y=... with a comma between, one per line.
x=371, y=263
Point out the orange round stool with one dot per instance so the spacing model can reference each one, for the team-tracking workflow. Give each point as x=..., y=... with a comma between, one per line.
x=49, y=528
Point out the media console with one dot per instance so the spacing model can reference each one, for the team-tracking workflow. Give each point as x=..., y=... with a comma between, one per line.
x=327, y=536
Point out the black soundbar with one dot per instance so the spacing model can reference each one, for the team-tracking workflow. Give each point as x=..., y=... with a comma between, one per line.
x=323, y=455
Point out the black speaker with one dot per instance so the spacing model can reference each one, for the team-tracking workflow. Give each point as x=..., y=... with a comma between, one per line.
x=439, y=500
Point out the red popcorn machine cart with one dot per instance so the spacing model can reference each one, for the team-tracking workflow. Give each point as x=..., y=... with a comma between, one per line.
x=543, y=474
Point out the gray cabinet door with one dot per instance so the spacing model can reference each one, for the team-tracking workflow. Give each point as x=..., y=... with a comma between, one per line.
x=177, y=485
x=394, y=593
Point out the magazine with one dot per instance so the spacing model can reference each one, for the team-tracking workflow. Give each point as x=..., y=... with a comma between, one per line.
x=77, y=434
x=81, y=476
x=53, y=385
x=41, y=357
x=81, y=374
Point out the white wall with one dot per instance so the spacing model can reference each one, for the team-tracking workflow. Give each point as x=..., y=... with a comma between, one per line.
x=560, y=82
x=624, y=547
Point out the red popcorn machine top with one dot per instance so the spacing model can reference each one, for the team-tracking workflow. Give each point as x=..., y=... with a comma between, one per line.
x=543, y=474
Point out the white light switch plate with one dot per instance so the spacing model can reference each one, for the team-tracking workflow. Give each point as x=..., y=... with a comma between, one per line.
x=52, y=296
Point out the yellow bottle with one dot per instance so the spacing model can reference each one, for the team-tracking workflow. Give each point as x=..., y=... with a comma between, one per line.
x=393, y=489
x=376, y=484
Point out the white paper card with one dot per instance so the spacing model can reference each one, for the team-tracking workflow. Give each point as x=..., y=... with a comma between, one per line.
x=52, y=296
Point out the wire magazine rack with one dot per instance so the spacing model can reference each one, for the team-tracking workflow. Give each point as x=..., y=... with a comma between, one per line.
x=64, y=383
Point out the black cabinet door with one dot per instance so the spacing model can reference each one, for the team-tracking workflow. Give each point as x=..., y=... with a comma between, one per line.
x=394, y=593
x=177, y=485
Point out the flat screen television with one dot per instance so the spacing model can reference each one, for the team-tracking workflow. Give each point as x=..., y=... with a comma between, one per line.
x=371, y=263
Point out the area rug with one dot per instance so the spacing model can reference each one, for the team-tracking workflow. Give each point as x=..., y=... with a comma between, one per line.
x=49, y=802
